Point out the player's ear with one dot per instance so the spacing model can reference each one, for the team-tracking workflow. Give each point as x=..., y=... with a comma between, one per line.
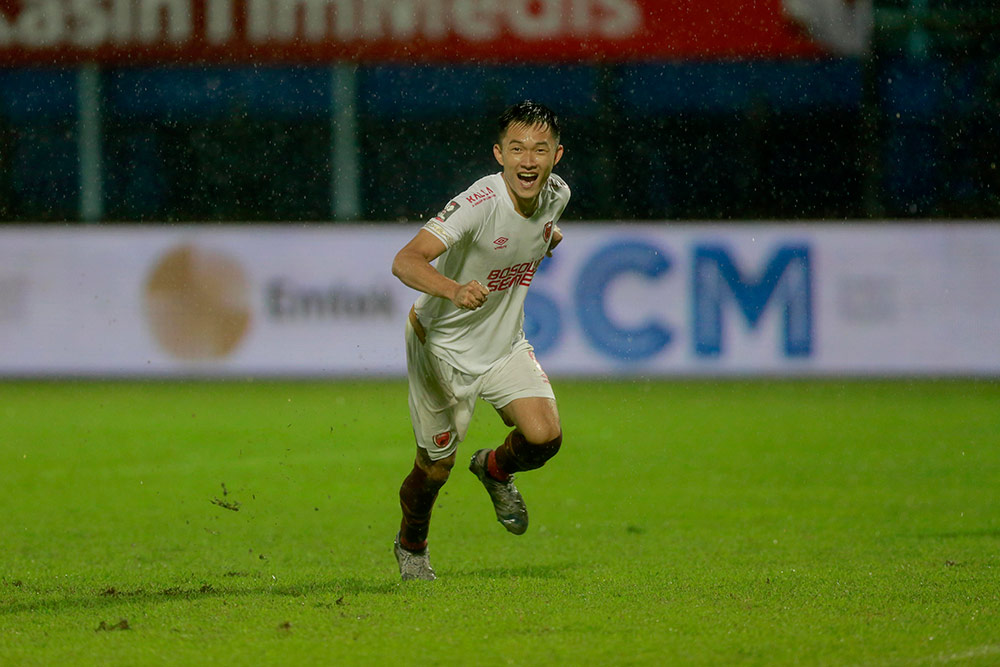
x=559, y=152
x=497, y=153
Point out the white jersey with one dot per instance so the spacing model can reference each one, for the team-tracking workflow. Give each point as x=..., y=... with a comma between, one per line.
x=489, y=241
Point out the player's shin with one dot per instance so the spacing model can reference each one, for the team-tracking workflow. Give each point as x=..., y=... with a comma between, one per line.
x=416, y=498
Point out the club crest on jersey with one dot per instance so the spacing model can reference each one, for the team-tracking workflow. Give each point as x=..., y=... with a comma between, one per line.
x=500, y=243
x=442, y=439
x=547, y=231
x=447, y=211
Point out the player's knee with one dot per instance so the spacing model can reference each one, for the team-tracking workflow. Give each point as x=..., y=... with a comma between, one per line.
x=541, y=432
x=434, y=473
x=439, y=471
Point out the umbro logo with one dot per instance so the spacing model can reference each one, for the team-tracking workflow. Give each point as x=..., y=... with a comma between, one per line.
x=500, y=243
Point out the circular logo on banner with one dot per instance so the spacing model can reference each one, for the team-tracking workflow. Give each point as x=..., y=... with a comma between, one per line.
x=197, y=303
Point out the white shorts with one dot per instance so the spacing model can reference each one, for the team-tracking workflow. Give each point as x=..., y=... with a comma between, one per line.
x=443, y=399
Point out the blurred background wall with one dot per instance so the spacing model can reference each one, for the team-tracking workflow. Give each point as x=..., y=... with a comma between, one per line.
x=148, y=110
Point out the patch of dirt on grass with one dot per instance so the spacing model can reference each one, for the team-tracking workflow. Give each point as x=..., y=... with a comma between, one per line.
x=225, y=504
x=120, y=625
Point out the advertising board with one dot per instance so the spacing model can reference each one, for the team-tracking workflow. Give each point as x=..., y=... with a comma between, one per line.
x=516, y=31
x=615, y=300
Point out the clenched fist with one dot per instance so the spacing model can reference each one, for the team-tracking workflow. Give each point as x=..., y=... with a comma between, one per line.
x=470, y=296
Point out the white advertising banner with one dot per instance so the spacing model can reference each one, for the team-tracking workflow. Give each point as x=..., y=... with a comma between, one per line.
x=615, y=300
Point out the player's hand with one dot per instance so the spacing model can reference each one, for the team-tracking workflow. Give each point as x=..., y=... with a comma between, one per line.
x=471, y=295
x=556, y=238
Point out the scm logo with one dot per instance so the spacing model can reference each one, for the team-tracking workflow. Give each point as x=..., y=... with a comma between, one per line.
x=720, y=288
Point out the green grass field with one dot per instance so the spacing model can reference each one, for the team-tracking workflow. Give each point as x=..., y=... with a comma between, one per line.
x=687, y=522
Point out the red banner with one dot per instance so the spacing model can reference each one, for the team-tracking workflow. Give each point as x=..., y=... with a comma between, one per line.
x=508, y=31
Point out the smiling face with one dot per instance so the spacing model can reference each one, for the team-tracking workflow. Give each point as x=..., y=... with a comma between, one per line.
x=527, y=154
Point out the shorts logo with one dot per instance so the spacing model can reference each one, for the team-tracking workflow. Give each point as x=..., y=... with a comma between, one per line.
x=442, y=439
x=547, y=232
x=500, y=243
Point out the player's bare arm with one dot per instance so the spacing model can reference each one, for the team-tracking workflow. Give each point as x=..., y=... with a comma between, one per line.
x=412, y=265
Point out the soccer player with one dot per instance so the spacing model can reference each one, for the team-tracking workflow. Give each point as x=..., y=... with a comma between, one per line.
x=464, y=334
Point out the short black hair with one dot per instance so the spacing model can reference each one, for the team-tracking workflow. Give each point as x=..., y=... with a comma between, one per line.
x=528, y=113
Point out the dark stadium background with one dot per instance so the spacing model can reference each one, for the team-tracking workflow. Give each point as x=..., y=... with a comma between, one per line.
x=911, y=130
